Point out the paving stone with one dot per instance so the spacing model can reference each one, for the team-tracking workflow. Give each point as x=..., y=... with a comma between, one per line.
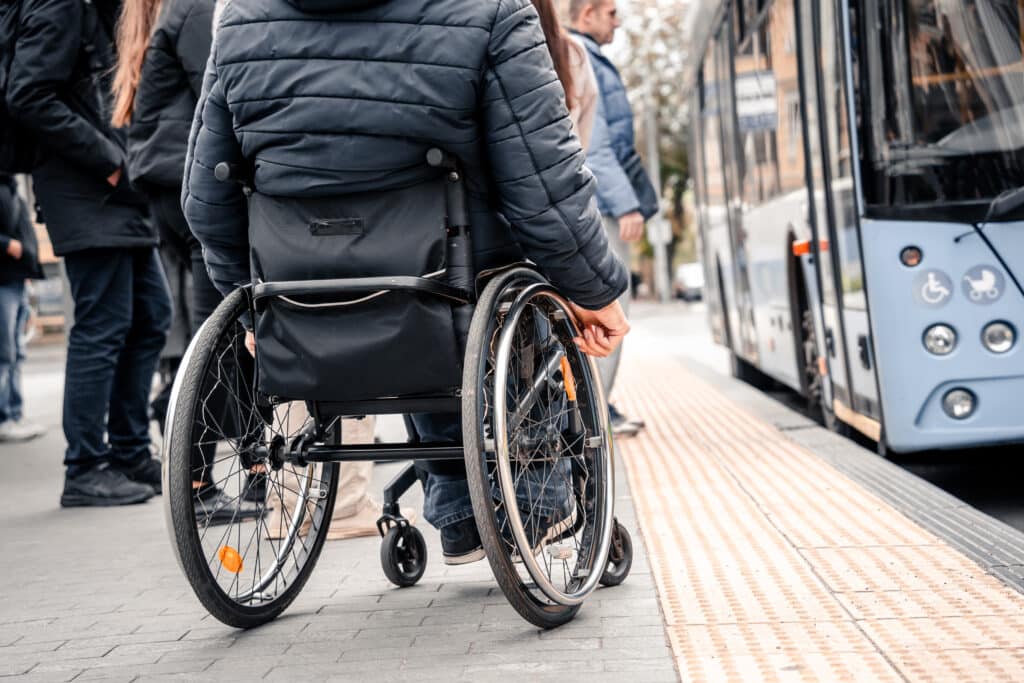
x=188, y=668
x=121, y=616
x=510, y=645
x=50, y=677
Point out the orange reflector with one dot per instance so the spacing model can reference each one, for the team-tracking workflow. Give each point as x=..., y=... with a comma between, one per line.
x=822, y=366
x=802, y=248
x=822, y=246
x=570, y=381
x=230, y=559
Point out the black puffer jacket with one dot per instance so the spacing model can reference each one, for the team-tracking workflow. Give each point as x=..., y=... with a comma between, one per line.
x=169, y=87
x=59, y=88
x=329, y=97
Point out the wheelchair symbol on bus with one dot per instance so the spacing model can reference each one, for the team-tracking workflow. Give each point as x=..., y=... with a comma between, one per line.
x=934, y=288
x=983, y=284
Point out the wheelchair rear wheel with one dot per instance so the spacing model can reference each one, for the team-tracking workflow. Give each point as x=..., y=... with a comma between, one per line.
x=247, y=525
x=538, y=449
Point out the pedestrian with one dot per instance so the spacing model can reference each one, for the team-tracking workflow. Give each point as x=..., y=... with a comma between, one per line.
x=473, y=78
x=19, y=261
x=624, y=192
x=59, y=89
x=162, y=48
x=574, y=71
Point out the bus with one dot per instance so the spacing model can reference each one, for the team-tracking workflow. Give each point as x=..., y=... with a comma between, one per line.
x=858, y=168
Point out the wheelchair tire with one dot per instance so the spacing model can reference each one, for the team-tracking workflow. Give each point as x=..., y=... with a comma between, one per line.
x=619, y=561
x=536, y=448
x=244, y=569
x=403, y=555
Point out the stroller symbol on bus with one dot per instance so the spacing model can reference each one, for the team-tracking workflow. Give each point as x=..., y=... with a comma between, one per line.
x=935, y=288
x=983, y=284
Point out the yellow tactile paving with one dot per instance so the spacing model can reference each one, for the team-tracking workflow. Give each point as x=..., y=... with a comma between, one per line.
x=772, y=566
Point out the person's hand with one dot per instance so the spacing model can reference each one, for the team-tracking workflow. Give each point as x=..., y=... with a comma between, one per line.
x=14, y=249
x=114, y=178
x=631, y=226
x=250, y=343
x=602, y=330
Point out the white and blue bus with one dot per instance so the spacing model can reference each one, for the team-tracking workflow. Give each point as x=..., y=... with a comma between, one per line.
x=858, y=167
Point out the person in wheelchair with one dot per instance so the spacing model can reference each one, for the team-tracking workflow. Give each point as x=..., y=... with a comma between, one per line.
x=334, y=104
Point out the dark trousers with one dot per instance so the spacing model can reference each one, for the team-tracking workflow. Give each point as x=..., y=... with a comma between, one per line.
x=122, y=314
x=195, y=297
x=175, y=235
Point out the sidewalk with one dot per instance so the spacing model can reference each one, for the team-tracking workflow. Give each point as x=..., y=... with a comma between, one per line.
x=96, y=594
x=759, y=560
x=773, y=566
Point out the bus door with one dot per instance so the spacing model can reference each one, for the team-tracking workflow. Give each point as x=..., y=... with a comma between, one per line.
x=834, y=208
x=741, y=324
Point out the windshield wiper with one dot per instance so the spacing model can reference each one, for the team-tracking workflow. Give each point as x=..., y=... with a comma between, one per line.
x=1005, y=203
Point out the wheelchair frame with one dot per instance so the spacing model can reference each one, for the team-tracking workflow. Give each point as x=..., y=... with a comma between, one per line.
x=322, y=445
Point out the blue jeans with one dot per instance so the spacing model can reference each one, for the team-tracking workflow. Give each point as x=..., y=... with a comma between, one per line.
x=541, y=490
x=122, y=316
x=13, y=315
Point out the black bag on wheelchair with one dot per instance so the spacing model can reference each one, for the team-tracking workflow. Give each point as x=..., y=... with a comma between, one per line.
x=346, y=345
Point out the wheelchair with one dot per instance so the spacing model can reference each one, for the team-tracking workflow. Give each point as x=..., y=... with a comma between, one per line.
x=493, y=350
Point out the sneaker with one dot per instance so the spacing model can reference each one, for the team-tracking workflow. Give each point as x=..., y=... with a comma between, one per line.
x=213, y=507
x=19, y=432
x=363, y=522
x=103, y=486
x=621, y=426
x=145, y=471
x=638, y=423
x=460, y=543
x=615, y=415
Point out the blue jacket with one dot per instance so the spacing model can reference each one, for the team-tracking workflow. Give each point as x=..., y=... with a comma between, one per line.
x=336, y=97
x=622, y=183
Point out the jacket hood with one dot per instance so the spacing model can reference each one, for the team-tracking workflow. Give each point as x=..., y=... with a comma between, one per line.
x=314, y=6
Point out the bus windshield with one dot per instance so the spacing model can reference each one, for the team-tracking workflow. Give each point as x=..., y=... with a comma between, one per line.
x=948, y=126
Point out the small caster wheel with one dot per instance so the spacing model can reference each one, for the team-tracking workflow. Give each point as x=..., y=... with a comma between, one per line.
x=403, y=555
x=620, y=559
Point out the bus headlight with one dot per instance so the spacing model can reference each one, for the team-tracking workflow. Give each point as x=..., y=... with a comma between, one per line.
x=958, y=404
x=940, y=339
x=998, y=337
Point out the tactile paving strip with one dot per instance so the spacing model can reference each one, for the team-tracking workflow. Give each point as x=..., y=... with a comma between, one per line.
x=773, y=566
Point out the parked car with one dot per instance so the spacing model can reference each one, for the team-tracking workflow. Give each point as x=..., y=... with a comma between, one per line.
x=688, y=284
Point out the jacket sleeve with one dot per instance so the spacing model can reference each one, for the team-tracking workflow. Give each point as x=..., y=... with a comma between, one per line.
x=216, y=211
x=193, y=44
x=44, y=61
x=614, y=189
x=544, y=189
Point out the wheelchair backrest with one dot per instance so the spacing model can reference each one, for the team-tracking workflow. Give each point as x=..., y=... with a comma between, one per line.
x=394, y=232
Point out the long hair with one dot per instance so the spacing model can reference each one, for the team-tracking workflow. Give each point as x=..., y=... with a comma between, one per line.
x=558, y=45
x=134, y=30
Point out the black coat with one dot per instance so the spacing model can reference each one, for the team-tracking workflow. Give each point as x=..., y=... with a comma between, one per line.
x=16, y=224
x=169, y=87
x=333, y=97
x=59, y=88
